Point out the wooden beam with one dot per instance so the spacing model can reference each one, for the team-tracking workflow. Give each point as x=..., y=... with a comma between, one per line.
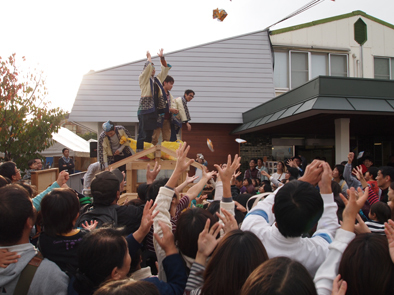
x=173, y=153
x=129, y=176
x=133, y=157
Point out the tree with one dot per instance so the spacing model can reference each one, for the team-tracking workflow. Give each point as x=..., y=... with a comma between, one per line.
x=26, y=119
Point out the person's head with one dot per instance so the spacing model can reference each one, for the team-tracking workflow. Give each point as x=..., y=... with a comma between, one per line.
x=368, y=162
x=238, y=253
x=126, y=287
x=31, y=190
x=292, y=172
x=385, y=176
x=200, y=158
x=105, y=188
x=109, y=128
x=39, y=163
x=252, y=163
x=60, y=210
x=32, y=164
x=154, y=188
x=297, y=160
x=380, y=212
x=247, y=182
x=280, y=166
x=297, y=207
x=168, y=83
x=371, y=174
x=189, y=95
x=260, y=162
x=265, y=186
x=254, y=182
x=337, y=172
x=9, y=170
x=66, y=152
x=258, y=182
x=279, y=276
x=190, y=224
x=239, y=181
x=367, y=250
x=17, y=215
x=102, y=255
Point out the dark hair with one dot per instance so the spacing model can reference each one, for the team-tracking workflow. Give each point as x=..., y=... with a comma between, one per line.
x=235, y=258
x=239, y=178
x=382, y=211
x=15, y=209
x=188, y=91
x=340, y=169
x=7, y=169
x=98, y=254
x=279, y=276
x=104, y=188
x=31, y=162
x=59, y=209
x=190, y=224
x=142, y=190
x=126, y=287
x=336, y=190
x=384, y=170
x=261, y=159
x=254, y=160
x=377, y=278
x=214, y=207
x=65, y=149
x=4, y=181
x=267, y=186
x=154, y=188
x=248, y=180
x=368, y=158
x=258, y=181
x=31, y=191
x=168, y=79
x=373, y=171
x=293, y=172
x=298, y=206
x=297, y=157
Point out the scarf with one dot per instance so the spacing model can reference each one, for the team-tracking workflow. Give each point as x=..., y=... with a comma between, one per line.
x=184, y=101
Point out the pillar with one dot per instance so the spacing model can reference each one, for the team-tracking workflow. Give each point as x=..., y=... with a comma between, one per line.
x=342, y=139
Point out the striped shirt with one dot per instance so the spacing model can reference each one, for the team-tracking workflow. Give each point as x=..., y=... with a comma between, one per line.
x=375, y=227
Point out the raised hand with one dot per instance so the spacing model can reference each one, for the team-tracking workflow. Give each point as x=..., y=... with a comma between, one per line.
x=350, y=157
x=160, y=54
x=313, y=172
x=190, y=179
x=228, y=220
x=227, y=172
x=352, y=206
x=62, y=178
x=152, y=174
x=325, y=180
x=167, y=241
x=201, y=199
x=149, y=56
x=182, y=163
x=207, y=241
x=91, y=226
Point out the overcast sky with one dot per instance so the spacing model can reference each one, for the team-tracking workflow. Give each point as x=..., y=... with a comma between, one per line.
x=67, y=39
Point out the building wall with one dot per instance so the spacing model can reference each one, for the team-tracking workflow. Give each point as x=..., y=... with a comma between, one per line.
x=339, y=35
x=223, y=142
x=229, y=77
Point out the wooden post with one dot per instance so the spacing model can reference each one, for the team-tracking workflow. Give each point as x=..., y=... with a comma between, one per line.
x=158, y=153
x=129, y=178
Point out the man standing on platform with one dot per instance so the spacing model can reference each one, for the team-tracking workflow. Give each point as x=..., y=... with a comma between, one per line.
x=181, y=103
x=153, y=99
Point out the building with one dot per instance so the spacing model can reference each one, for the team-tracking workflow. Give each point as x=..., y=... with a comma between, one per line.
x=268, y=87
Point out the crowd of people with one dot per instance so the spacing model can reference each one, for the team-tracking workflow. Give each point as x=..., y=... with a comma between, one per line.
x=297, y=234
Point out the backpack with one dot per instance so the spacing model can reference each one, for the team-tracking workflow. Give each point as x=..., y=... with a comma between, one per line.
x=27, y=275
x=104, y=215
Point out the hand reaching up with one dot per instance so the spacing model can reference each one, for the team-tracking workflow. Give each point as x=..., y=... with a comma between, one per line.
x=91, y=226
x=228, y=220
x=313, y=172
x=207, y=241
x=146, y=221
x=353, y=206
x=152, y=174
x=389, y=231
x=227, y=172
x=167, y=241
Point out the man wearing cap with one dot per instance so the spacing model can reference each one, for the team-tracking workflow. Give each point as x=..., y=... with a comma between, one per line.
x=110, y=149
x=105, y=189
x=153, y=99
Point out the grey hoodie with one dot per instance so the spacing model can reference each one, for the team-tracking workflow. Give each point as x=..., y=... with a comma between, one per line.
x=48, y=279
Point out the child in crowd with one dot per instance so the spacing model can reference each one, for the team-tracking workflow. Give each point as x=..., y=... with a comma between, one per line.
x=379, y=214
x=32, y=167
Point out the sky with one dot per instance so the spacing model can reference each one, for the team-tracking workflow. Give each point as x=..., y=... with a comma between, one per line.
x=67, y=39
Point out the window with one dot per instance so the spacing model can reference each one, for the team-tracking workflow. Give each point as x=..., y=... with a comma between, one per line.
x=294, y=68
x=384, y=68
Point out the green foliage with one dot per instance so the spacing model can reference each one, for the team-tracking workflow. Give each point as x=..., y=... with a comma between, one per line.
x=26, y=119
x=89, y=135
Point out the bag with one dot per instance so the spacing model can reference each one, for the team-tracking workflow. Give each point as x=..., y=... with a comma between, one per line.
x=27, y=275
x=104, y=215
x=172, y=145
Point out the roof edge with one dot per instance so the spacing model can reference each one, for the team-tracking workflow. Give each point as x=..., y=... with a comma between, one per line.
x=179, y=50
x=330, y=19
